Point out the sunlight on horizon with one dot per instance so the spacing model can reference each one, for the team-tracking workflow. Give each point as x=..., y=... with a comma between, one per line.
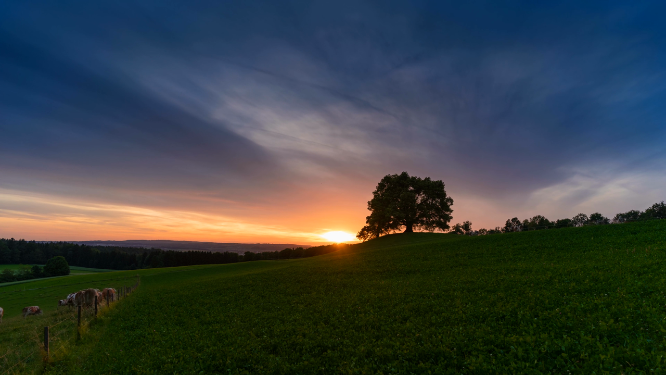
x=338, y=236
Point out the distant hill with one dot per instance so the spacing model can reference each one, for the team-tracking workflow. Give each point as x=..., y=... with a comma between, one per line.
x=194, y=245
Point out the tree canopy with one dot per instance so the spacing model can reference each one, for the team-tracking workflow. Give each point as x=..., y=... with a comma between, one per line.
x=56, y=266
x=407, y=202
x=598, y=219
x=579, y=220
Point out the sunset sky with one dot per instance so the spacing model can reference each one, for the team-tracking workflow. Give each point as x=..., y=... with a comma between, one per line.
x=273, y=121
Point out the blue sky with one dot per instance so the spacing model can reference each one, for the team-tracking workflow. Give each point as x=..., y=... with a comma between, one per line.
x=236, y=121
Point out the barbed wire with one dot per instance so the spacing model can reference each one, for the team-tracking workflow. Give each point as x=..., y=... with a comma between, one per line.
x=20, y=361
x=62, y=321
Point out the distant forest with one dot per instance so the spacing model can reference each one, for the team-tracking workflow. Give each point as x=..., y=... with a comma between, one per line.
x=540, y=222
x=129, y=258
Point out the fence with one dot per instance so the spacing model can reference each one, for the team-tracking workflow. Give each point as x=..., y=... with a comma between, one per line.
x=50, y=340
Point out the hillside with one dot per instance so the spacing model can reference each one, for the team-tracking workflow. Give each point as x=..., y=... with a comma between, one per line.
x=579, y=299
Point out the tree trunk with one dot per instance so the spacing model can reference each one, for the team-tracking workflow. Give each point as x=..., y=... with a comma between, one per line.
x=409, y=228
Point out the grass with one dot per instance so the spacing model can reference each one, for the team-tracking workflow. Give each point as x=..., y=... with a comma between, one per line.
x=21, y=339
x=586, y=300
x=84, y=270
x=73, y=271
x=72, y=268
x=576, y=300
x=46, y=292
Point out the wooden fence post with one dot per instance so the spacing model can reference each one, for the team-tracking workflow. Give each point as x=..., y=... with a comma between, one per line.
x=46, y=343
x=95, y=306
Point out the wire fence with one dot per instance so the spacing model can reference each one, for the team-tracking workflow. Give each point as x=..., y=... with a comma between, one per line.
x=38, y=343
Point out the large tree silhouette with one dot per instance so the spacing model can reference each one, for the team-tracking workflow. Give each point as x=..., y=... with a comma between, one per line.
x=407, y=202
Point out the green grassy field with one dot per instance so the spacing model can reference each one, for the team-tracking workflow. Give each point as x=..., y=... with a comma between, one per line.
x=21, y=339
x=46, y=292
x=84, y=271
x=576, y=300
x=584, y=300
x=73, y=270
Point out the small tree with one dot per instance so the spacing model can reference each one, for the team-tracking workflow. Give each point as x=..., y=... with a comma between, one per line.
x=598, y=219
x=512, y=225
x=467, y=227
x=656, y=211
x=37, y=272
x=56, y=266
x=539, y=222
x=563, y=223
x=632, y=215
x=404, y=202
x=579, y=220
x=457, y=229
x=7, y=275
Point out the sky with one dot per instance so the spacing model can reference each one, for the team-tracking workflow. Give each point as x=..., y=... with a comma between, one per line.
x=273, y=121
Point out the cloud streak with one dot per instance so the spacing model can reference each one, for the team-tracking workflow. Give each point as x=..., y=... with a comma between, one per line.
x=287, y=114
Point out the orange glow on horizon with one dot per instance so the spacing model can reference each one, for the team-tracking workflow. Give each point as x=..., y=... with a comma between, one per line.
x=338, y=236
x=46, y=218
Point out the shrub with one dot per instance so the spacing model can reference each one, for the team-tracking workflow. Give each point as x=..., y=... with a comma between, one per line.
x=56, y=266
x=7, y=275
x=37, y=272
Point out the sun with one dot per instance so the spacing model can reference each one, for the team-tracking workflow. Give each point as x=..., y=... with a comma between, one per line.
x=338, y=236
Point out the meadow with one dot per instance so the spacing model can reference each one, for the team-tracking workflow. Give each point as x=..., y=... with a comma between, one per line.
x=21, y=339
x=73, y=270
x=573, y=300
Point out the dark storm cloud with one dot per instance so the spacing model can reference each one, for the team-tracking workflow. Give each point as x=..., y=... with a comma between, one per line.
x=218, y=99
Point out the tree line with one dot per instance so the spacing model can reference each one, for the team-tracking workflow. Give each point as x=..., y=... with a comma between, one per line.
x=408, y=203
x=130, y=258
x=56, y=266
x=540, y=222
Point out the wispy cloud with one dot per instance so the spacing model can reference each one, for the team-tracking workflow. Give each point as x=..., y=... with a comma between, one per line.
x=284, y=115
x=28, y=213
